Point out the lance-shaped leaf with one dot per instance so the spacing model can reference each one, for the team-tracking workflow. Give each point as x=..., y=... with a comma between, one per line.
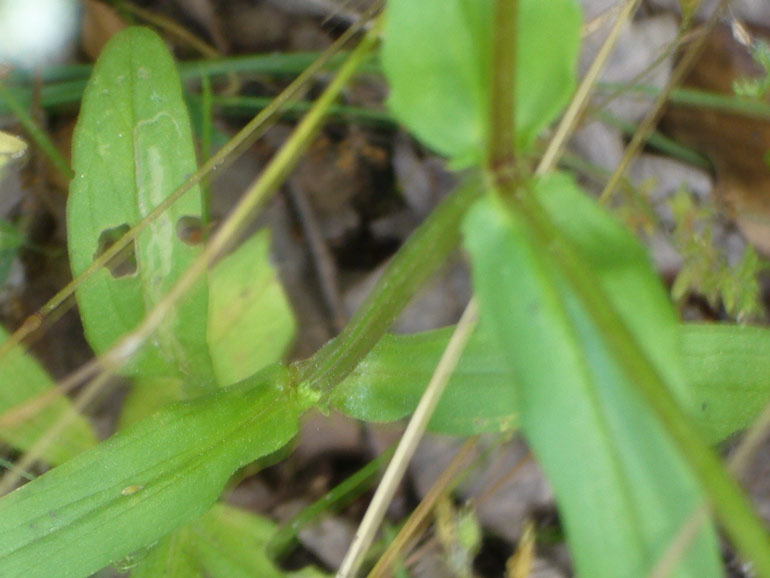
x=223, y=543
x=437, y=56
x=22, y=379
x=623, y=489
x=726, y=368
x=142, y=483
x=133, y=147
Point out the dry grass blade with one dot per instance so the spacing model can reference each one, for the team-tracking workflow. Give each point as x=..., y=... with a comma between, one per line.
x=500, y=482
x=41, y=319
x=652, y=118
x=580, y=101
x=173, y=28
x=520, y=564
x=419, y=519
x=408, y=444
x=759, y=431
x=569, y=121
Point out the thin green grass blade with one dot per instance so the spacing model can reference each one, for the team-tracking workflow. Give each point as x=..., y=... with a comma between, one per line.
x=339, y=496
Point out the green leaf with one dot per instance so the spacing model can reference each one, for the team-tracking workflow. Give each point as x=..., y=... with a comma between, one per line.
x=622, y=267
x=250, y=327
x=171, y=557
x=251, y=324
x=423, y=253
x=22, y=379
x=132, y=147
x=728, y=368
x=148, y=395
x=224, y=543
x=142, y=483
x=623, y=490
x=437, y=56
x=388, y=384
x=11, y=148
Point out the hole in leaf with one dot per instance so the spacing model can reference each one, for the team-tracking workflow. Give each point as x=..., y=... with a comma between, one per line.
x=124, y=263
x=491, y=559
x=189, y=230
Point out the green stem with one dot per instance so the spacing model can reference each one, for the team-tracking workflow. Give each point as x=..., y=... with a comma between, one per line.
x=9, y=465
x=424, y=252
x=659, y=142
x=730, y=504
x=694, y=98
x=502, y=129
x=42, y=140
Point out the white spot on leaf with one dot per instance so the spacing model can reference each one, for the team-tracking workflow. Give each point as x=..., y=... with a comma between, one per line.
x=131, y=490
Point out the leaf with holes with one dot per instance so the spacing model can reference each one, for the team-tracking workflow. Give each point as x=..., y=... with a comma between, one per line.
x=250, y=327
x=22, y=379
x=132, y=148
